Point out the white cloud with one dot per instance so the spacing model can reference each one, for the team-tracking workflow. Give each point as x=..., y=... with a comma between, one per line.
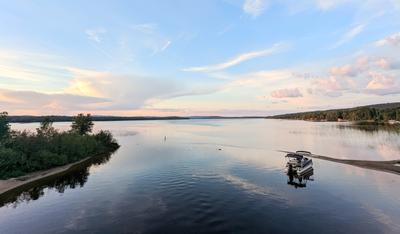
x=95, y=34
x=349, y=35
x=124, y=91
x=276, y=48
x=254, y=7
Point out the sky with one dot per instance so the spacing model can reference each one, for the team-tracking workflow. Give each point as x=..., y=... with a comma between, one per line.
x=204, y=57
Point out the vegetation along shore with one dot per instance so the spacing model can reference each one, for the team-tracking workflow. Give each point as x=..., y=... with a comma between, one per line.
x=379, y=113
x=23, y=153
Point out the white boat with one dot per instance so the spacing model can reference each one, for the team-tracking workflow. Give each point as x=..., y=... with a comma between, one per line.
x=299, y=168
x=306, y=166
x=298, y=163
x=294, y=160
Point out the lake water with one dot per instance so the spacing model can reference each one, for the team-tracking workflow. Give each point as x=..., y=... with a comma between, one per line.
x=215, y=176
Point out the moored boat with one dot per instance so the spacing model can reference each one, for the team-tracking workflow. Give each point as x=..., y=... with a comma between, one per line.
x=298, y=163
x=306, y=166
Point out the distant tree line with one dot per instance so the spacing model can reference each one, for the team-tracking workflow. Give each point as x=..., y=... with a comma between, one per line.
x=22, y=152
x=376, y=113
x=64, y=118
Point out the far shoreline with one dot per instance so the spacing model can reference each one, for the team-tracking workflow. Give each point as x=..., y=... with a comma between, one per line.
x=66, y=119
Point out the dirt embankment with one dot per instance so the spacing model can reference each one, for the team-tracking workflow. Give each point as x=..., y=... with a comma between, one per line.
x=9, y=184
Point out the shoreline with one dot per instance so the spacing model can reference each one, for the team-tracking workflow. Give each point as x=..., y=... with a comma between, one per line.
x=13, y=183
x=391, y=166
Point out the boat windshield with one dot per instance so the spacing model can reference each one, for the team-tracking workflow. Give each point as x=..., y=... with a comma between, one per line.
x=297, y=156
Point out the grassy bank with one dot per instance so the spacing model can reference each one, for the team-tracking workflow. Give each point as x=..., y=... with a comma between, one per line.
x=23, y=152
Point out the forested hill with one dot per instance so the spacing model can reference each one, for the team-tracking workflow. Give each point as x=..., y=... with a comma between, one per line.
x=378, y=112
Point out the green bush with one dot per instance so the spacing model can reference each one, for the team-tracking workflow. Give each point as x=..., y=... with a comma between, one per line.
x=105, y=138
x=12, y=163
x=4, y=126
x=24, y=152
x=46, y=159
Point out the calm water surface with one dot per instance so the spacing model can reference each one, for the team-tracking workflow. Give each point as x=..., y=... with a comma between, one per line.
x=215, y=176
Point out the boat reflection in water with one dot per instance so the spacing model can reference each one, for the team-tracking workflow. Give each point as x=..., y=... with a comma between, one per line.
x=299, y=169
x=76, y=176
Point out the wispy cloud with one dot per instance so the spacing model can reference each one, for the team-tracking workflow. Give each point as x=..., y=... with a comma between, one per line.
x=145, y=28
x=329, y=4
x=95, y=34
x=286, y=93
x=276, y=48
x=254, y=7
x=349, y=35
x=166, y=45
x=24, y=69
x=149, y=36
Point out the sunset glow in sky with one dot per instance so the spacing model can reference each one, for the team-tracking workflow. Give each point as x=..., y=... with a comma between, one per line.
x=205, y=57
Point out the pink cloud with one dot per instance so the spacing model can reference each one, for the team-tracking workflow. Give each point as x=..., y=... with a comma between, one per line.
x=346, y=70
x=393, y=40
x=286, y=93
x=383, y=63
x=359, y=66
x=30, y=102
x=333, y=86
x=380, y=81
x=329, y=84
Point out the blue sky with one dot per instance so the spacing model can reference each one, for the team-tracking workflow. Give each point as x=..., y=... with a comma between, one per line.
x=227, y=57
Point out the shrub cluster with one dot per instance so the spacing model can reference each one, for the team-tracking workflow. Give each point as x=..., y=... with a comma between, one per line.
x=22, y=152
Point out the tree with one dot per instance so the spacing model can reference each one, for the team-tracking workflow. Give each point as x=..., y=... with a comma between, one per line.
x=82, y=124
x=46, y=128
x=4, y=126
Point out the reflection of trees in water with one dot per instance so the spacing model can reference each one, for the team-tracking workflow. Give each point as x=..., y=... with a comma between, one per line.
x=75, y=177
x=372, y=128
